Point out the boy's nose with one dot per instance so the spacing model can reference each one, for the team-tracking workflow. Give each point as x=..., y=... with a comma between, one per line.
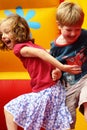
x=73, y=33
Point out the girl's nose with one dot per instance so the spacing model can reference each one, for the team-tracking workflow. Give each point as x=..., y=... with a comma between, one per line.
x=3, y=35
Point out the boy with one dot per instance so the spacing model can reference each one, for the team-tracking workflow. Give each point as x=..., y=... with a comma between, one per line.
x=71, y=48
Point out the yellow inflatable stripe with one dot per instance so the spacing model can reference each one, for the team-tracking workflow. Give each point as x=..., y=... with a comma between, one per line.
x=14, y=75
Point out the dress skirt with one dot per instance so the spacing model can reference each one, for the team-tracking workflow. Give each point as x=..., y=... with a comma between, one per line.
x=42, y=109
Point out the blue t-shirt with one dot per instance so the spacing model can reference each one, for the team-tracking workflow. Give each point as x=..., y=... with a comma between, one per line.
x=75, y=53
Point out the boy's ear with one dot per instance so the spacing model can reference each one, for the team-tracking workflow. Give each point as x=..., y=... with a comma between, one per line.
x=58, y=24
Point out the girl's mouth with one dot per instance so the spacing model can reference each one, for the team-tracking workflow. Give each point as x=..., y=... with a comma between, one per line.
x=8, y=41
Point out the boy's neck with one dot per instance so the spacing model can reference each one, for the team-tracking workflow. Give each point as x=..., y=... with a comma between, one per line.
x=60, y=41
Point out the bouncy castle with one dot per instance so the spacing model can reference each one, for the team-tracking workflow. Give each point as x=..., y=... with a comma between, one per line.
x=41, y=17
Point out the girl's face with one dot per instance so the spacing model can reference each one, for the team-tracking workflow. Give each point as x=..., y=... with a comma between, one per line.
x=70, y=33
x=5, y=30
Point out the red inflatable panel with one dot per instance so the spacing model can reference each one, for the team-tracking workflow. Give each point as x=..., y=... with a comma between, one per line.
x=10, y=89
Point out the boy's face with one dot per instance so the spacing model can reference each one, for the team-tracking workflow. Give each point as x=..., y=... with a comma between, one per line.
x=6, y=35
x=70, y=33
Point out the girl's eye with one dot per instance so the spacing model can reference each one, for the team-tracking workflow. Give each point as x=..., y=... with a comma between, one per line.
x=7, y=32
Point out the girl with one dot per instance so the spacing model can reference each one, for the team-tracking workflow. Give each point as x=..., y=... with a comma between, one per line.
x=45, y=106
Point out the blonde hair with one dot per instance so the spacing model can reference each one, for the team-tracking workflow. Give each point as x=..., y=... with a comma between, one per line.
x=19, y=29
x=69, y=13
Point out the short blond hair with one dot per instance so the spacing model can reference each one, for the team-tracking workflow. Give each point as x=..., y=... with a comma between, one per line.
x=69, y=14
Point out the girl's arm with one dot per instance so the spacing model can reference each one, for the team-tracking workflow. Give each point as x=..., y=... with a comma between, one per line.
x=44, y=55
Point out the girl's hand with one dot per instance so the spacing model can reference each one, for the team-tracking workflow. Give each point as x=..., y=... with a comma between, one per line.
x=56, y=74
x=73, y=69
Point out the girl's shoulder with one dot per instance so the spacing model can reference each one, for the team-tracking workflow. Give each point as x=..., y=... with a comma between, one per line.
x=19, y=46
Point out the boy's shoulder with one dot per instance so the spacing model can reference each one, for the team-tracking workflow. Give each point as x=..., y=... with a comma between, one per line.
x=84, y=31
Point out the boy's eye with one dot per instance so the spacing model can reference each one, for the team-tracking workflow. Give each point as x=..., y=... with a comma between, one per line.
x=69, y=30
x=78, y=30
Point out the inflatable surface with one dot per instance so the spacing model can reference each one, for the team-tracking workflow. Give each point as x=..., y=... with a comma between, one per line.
x=40, y=15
